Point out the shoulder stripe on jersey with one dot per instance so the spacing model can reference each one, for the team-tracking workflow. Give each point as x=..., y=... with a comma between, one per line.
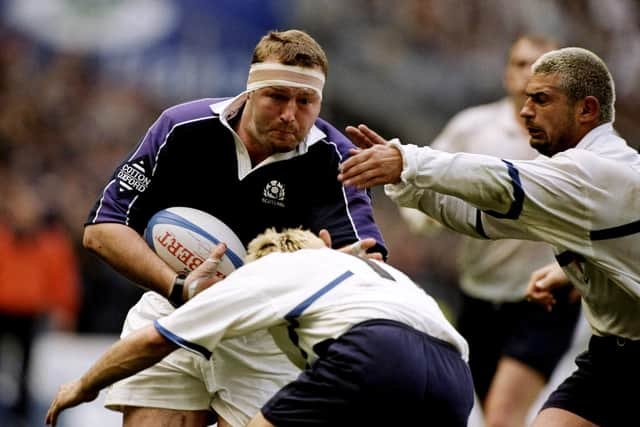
x=300, y=308
x=518, y=195
x=375, y=267
x=615, y=232
x=292, y=316
x=195, y=348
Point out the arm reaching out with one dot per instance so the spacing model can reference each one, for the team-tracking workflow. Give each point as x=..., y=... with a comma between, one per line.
x=376, y=163
x=134, y=353
x=126, y=357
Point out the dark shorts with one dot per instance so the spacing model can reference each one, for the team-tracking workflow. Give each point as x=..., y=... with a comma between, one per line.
x=601, y=390
x=379, y=373
x=522, y=330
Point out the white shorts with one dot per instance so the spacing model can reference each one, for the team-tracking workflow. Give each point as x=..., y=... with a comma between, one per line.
x=242, y=374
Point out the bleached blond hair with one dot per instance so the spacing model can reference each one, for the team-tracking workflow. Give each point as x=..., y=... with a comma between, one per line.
x=287, y=240
x=582, y=73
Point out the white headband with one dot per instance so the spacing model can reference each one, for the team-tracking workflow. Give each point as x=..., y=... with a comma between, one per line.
x=264, y=74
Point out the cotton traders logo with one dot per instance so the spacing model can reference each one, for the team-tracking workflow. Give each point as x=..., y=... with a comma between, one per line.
x=274, y=193
x=133, y=176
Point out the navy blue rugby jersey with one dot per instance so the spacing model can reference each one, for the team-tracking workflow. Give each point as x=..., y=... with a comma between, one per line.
x=189, y=158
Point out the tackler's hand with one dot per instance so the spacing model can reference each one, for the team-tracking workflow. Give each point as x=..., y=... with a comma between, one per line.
x=206, y=274
x=69, y=395
x=542, y=283
x=364, y=137
x=380, y=163
x=358, y=248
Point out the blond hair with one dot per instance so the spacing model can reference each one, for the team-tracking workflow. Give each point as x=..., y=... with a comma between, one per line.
x=287, y=240
x=582, y=73
x=291, y=47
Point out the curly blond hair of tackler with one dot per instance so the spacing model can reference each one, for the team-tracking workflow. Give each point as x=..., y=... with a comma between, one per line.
x=287, y=240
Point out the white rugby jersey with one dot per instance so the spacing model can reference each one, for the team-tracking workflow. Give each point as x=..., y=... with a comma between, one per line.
x=585, y=201
x=496, y=270
x=304, y=298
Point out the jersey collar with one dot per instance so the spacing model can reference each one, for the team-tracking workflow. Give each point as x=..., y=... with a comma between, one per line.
x=594, y=134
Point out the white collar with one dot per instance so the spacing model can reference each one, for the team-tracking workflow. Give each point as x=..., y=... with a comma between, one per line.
x=594, y=134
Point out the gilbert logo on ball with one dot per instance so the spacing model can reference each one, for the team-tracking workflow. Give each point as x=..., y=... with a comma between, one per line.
x=184, y=238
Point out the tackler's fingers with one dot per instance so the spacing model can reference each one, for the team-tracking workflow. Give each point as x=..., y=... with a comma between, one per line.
x=214, y=261
x=357, y=248
x=210, y=266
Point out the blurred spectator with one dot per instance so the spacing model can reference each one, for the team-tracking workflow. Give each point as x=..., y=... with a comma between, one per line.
x=62, y=128
x=39, y=281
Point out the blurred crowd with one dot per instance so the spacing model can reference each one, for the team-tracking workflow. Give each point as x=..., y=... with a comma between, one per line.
x=404, y=67
x=410, y=65
x=62, y=131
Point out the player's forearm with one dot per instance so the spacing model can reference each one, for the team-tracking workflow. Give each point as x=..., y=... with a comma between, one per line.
x=483, y=181
x=126, y=357
x=124, y=249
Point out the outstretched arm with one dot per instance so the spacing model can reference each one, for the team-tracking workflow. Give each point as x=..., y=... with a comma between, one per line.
x=376, y=163
x=126, y=357
x=132, y=354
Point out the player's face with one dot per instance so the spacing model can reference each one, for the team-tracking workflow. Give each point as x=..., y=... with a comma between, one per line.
x=281, y=116
x=549, y=116
x=518, y=71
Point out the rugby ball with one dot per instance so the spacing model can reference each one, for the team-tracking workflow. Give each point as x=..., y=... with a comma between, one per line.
x=184, y=238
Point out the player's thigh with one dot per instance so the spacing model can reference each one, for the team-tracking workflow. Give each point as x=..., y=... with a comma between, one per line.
x=539, y=338
x=514, y=388
x=223, y=423
x=178, y=382
x=555, y=417
x=259, y=421
x=248, y=371
x=159, y=417
x=482, y=324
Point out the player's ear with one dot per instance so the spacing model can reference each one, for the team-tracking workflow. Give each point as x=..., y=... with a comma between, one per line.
x=589, y=109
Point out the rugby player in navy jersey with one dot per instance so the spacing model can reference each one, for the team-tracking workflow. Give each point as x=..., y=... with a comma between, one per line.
x=261, y=159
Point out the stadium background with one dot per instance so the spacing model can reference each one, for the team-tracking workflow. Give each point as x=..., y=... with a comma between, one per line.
x=81, y=80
